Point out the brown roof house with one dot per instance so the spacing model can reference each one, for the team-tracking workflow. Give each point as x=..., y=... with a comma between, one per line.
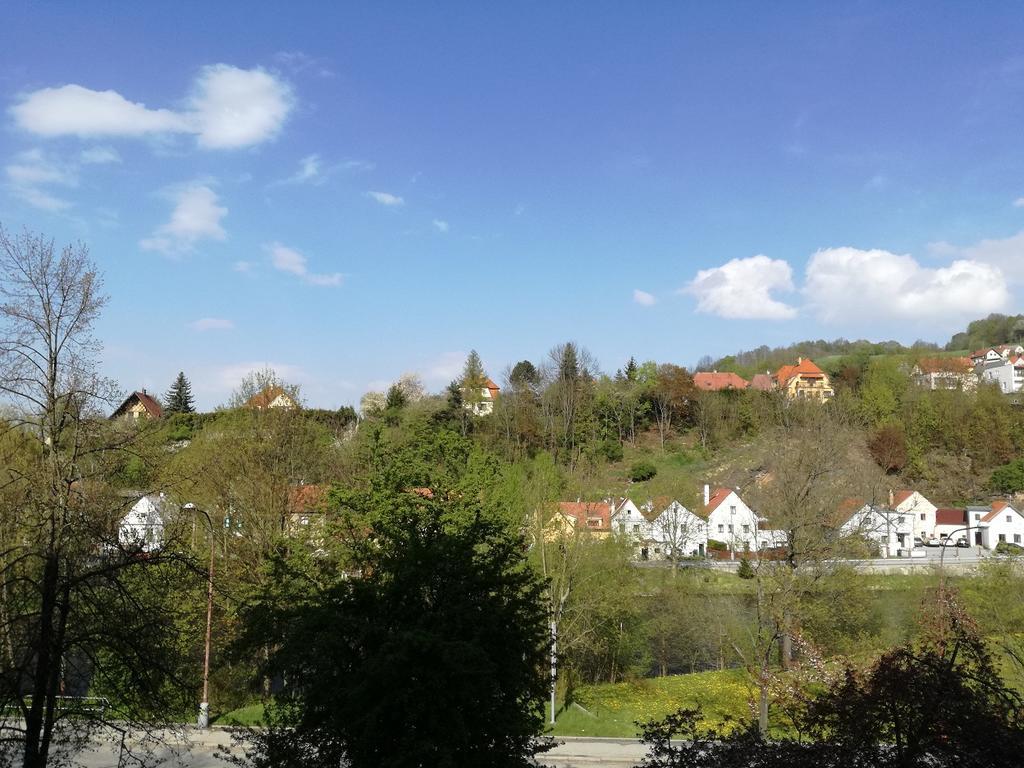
x=138, y=405
x=716, y=382
x=271, y=397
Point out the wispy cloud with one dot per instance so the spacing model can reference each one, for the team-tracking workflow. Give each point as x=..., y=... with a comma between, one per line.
x=228, y=108
x=313, y=170
x=31, y=176
x=196, y=216
x=1019, y=202
x=285, y=259
x=440, y=225
x=99, y=156
x=212, y=324
x=643, y=298
x=386, y=198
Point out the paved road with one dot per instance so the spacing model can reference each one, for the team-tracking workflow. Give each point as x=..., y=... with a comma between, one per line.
x=200, y=752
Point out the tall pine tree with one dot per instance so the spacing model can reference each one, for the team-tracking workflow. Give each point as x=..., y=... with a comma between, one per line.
x=179, y=397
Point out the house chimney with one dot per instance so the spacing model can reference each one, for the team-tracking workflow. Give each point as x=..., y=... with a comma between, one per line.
x=707, y=494
x=799, y=360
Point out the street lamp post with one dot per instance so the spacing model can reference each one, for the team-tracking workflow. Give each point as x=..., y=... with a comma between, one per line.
x=948, y=539
x=203, y=721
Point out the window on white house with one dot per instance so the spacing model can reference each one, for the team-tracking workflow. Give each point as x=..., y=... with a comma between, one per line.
x=1016, y=538
x=721, y=528
x=1002, y=537
x=732, y=510
x=636, y=527
x=730, y=527
x=922, y=515
x=746, y=529
x=1009, y=518
x=977, y=517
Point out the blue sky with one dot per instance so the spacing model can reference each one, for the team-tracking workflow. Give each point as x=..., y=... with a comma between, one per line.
x=349, y=193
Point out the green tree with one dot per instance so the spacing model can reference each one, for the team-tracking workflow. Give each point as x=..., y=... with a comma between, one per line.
x=1009, y=478
x=179, y=397
x=427, y=648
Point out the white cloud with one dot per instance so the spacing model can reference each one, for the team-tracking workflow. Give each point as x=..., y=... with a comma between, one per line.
x=235, y=107
x=1007, y=253
x=643, y=298
x=99, y=156
x=440, y=226
x=212, y=324
x=285, y=259
x=386, y=198
x=846, y=284
x=30, y=173
x=227, y=377
x=228, y=108
x=742, y=289
x=1019, y=202
x=196, y=216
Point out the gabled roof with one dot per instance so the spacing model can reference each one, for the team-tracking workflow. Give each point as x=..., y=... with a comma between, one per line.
x=950, y=516
x=900, y=496
x=720, y=495
x=805, y=368
x=264, y=398
x=762, y=381
x=715, y=381
x=584, y=512
x=997, y=507
x=152, y=406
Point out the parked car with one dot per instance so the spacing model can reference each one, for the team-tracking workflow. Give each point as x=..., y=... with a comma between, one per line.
x=962, y=542
x=935, y=542
x=919, y=542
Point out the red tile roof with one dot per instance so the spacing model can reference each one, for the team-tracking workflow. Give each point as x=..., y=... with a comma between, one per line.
x=763, y=382
x=592, y=515
x=900, y=496
x=997, y=507
x=805, y=368
x=263, y=399
x=715, y=381
x=949, y=516
x=305, y=498
x=720, y=495
x=493, y=388
x=945, y=365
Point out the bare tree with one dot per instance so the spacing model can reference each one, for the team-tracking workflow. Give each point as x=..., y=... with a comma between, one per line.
x=74, y=601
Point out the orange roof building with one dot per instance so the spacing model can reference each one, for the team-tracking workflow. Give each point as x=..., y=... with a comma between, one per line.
x=138, y=405
x=716, y=382
x=804, y=381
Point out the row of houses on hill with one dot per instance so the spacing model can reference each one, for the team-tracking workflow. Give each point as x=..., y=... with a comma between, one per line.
x=804, y=380
x=1002, y=365
x=142, y=405
x=665, y=529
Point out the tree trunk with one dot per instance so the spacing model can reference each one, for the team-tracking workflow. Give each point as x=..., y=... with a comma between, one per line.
x=762, y=708
x=35, y=757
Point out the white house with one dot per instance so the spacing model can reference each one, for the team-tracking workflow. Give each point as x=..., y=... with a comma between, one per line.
x=677, y=532
x=730, y=520
x=1001, y=523
x=627, y=520
x=481, y=402
x=918, y=509
x=143, y=526
x=892, y=531
x=951, y=521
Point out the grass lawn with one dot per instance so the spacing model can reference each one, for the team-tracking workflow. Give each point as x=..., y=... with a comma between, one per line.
x=613, y=710
x=249, y=715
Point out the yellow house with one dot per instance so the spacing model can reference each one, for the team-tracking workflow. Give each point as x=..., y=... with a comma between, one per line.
x=804, y=380
x=138, y=405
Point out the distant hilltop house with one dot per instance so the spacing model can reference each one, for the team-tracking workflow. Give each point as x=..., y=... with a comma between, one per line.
x=271, y=397
x=804, y=381
x=945, y=373
x=1002, y=365
x=481, y=402
x=138, y=405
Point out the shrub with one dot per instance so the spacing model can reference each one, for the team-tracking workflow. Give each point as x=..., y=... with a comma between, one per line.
x=642, y=470
x=610, y=449
x=745, y=570
x=718, y=546
x=1006, y=548
x=1009, y=478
